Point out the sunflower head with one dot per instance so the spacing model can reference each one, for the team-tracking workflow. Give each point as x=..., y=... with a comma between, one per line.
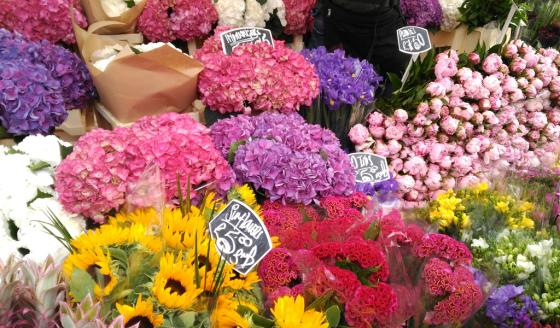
x=246, y=194
x=237, y=281
x=142, y=313
x=174, y=285
x=289, y=312
x=97, y=264
x=181, y=232
x=225, y=314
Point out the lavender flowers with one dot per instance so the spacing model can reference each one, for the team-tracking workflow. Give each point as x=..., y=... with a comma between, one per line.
x=509, y=306
x=39, y=82
x=284, y=157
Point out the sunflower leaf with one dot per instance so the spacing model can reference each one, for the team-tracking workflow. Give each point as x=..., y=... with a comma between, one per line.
x=81, y=284
x=186, y=319
x=333, y=316
x=262, y=321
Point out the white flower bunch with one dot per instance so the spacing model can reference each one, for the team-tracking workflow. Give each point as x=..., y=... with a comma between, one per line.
x=249, y=13
x=103, y=57
x=451, y=14
x=27, y=195
x=115, y=8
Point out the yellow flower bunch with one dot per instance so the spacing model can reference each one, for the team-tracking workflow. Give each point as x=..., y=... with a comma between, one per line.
x=448, y=210
x=289, y=312
x=152, y=267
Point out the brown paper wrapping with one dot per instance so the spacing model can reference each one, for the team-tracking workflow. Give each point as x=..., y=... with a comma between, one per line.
x=95, y=13
x=135, y=85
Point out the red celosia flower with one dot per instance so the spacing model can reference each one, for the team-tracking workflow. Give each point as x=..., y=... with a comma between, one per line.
x=332, y=278
x=277, y=270
x=371, y=304
x=458, y=307
x=443, y=246
x=439, y=277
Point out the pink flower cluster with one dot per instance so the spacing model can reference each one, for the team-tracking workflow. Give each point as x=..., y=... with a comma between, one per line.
x=298, y=16
x=94, y=178
x=168, y=20
x=255, y=77
x=497, y=113
x=41, y=19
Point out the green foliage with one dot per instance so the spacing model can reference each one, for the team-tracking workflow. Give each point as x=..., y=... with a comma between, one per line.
x=81, y=285
x=477, y=13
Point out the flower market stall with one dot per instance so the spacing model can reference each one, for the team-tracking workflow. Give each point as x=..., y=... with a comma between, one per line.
x=219, y=175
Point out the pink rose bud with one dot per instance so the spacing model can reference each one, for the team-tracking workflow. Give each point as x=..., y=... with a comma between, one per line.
x=432, y=130
x=358, y=134
x=436, y=89
x=394, y=146
x=474, y=58
x=450, y=125
x=538, y=84
x=443, y=138
x=530, y=73
x=478, y=118
x=446, y=162
x=436, y=104
x=492, y=63
x=406, y=182
x=400, y=116
x=510, y=50
x=375, y=119
x=396, y=165
x=395, y=132
x=381, y=149
x=484, y=104
x=531, y=91
x=523, y=82
x=491, y=83
x=518, y=65
x=389, y=121
x=473, y=146
x=531, y=59
x=449, y=183
x=423, y=108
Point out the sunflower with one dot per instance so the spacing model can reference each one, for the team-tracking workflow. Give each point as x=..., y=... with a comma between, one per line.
x=247, y=195
x=105, y=235
x=142, y=314
x=208, y=260
x=138, y=234
x=226, y=316
x=145, y=217
x=238, y=281
x=97, y=264
x=179, y=232
x=174, y=283
x=290, y=313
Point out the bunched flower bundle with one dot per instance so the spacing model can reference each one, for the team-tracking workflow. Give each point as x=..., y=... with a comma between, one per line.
x=165, y=20
x=28, y=200
x=106, y=165
x=250, y=13
x=283, y=158
x=255, y=77
x=478, y=114
x=39, y=83
x=347, y=87
x=38, y=20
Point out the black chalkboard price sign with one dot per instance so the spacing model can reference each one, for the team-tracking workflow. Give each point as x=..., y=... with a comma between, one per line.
x=241, y=236
x=413, y=40
x=238, y=36
x=370, y=168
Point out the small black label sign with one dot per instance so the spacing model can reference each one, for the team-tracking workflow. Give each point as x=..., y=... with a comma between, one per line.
x=241, y=236
x=413, y=40
x=238, y=36
x=370, y=168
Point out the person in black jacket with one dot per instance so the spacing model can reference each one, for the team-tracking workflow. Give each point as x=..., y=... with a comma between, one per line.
x=366, y=29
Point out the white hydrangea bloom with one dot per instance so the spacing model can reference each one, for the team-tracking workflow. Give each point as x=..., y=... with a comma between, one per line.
x=115, y=8
x=451, y=14
x=255, y=15
x=277, y=5
x=230, y=12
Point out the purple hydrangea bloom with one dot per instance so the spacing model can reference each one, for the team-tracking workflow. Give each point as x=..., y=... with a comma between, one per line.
x=344, y=80
x=509, y=306
x=288, y=159
x=423, y=13
x=30, y=99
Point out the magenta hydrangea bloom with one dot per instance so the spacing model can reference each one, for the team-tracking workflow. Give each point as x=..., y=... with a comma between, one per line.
x=288, y=159
x=168, y=20
x=42, y=19
x=298, y=16
x=255, y=77
x=94, y=178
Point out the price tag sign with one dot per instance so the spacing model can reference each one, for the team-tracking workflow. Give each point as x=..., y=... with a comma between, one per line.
x=370, y=168
x=413, y=40
x=241, y=236
x=234, y=38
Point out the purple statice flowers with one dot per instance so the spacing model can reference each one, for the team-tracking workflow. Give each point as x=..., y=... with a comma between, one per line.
x=384, y=191
x=344, y=80
x=39, y=82
x=509, y=306
x=284, y=157
x=423, y=13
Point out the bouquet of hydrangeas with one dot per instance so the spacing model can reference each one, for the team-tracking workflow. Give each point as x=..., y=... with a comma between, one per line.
x=478, y=114
x=42, y=19
x=28, y=199
x=348, y=85
x=423, y=13
x=165, y=20
x=39, y=82
x=95, y=177
x=250, y=13
x=451, y=14
x=283, y=157
x=255, y=77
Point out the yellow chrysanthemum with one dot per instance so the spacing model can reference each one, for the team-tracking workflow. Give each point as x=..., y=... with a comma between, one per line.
x=480, y=188
x=179, y=232
x=290, y=313
x=174, y=285
x=97, y=264
x=526, y=206
x=142, y=313
x=502, y=207
x=238, y=281
x=226, y=316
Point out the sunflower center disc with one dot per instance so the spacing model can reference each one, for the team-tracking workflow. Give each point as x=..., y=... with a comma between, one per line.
x=143, y=322
x=175, y=286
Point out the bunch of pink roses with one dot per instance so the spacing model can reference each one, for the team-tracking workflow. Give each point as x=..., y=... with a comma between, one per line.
x=40, y=20
x=95, y=178
x=255, y=77
x=500, y=112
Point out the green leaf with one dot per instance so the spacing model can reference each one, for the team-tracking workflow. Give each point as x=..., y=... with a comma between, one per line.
x=320, y=302
x=233, y=149
x=65, y=151
x=38, y=166
x=186, y=319
x=13, y=228
x=129, y=3
x=136, y=51
x=333, y=316
x=372, y=231
x=395, y=81
x=4, y=133
x=40, y=195
x=81, y=284
x=262, y=321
